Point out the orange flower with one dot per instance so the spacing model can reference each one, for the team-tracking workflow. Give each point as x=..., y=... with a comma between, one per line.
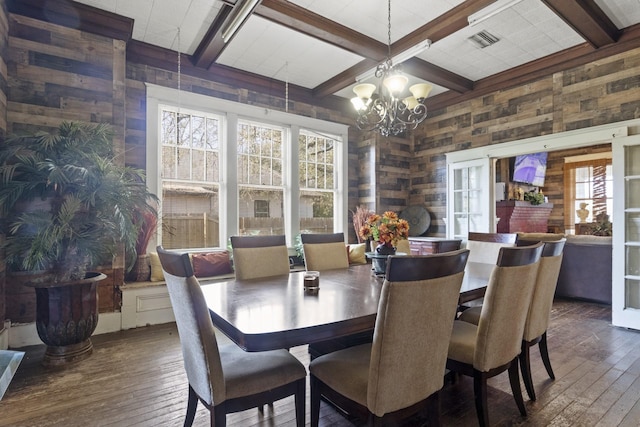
x=387, y=229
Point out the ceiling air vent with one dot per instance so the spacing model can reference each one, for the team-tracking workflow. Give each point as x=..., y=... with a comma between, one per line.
x=483, y=39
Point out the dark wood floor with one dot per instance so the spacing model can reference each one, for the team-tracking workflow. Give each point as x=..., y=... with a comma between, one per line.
x=136, y=378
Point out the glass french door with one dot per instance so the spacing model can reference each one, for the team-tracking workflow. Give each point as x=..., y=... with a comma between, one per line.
x=626, y=232
x=468, y=198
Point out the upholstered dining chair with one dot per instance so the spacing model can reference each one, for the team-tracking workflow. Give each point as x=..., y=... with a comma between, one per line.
x=404, y=246
x=259, y=256
x=224, y=378
x=402, y=371
x=327, y=251
x=535, y=328
x=492, y=346
x=484, y=247
x=324, y=251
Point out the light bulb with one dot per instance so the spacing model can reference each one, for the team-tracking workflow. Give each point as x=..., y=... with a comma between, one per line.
x=395, y=83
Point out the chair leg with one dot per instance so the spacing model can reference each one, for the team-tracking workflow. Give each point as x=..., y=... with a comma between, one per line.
x=192, y=404
x=433, y=408
x=219, y=416
x=480, y=394
x=514, y=379
x=315, y=400
x=525, y=368
x=300, y=398
x=544, y=353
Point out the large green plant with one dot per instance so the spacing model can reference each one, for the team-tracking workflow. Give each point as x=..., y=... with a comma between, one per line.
x=66, y=203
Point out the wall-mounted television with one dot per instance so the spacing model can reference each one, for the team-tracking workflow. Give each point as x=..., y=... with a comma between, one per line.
x=530, y=169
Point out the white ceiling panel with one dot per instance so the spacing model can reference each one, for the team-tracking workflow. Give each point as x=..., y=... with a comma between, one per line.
x=369, y=17
x=526, y=31
x=277, y=52
x=623, y=13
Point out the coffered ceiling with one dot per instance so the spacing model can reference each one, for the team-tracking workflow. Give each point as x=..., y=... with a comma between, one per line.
x=325, y=47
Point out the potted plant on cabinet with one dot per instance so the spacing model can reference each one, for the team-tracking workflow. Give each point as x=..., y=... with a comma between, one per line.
x=67, y=205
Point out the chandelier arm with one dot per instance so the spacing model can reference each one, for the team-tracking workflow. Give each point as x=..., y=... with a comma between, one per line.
x=384, y=111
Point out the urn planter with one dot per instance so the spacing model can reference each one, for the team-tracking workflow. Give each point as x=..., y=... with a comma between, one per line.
x=66, y=317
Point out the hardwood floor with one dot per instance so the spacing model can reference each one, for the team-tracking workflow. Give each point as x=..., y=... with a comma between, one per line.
x=136, y=378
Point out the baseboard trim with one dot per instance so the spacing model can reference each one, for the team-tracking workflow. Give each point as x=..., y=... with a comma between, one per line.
x=141, y=306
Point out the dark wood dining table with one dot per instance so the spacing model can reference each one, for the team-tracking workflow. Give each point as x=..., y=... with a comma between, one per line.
x=276, y=312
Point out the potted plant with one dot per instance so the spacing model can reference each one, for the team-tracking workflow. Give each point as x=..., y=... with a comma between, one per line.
x=67, y=205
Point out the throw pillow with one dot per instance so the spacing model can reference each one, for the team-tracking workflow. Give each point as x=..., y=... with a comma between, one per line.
x=211, y=264
x=156, y=268
x=356, y=253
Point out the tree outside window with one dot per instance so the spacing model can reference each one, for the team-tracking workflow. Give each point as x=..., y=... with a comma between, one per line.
x=190, y=179
x=317, y=182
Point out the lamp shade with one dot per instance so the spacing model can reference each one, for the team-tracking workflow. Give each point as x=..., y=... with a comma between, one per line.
x=395, y=83
x=364, y=90
x=420, y=90
x=410, y=102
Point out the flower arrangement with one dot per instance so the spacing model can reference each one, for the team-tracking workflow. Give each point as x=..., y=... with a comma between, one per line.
x=359, y=216
x=387, y=229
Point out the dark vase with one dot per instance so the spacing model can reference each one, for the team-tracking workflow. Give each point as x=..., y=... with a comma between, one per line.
x=384, y=249
x=380, y=263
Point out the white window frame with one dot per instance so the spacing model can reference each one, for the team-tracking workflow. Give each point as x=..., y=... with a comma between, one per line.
x=232, y=112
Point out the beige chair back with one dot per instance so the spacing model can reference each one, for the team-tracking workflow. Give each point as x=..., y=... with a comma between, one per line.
x=259, y=256
x=506, y=306
x=404, y=246
x=542, y=300
x=324, y=251
x=485, y=247
x=197, y=335
x=417, y=307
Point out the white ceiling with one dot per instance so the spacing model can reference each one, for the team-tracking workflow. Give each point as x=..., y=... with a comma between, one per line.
x=527, y=31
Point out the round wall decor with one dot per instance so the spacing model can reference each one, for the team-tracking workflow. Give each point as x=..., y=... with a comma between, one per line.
x=418, y=218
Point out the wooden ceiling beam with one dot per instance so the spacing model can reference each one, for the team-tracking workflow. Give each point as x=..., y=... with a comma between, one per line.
x=587, y=19
x=154, y=56
x=75, y=15
x=304, y=21
x=554, y=63
x=212, y=45
x=441, y=27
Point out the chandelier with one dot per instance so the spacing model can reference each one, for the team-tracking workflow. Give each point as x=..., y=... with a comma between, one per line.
x=385, y=111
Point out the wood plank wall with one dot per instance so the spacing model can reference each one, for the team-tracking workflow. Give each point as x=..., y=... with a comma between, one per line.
x=4, y=34
x=594, y=94
x=56, y=73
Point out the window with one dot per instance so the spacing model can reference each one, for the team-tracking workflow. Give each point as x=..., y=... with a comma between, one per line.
x=190, y=179
x=317, y=182
x=588, y=185
x=260, y=178
x=261, y=208
x=222, y=168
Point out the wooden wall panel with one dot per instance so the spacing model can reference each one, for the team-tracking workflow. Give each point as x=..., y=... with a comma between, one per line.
x=55, y=73
x=4, y=34
x=597, y=93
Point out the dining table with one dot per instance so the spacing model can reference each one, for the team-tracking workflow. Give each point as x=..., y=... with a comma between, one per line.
x=277, y=312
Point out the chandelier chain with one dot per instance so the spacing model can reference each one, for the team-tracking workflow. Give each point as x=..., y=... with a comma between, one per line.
x=179, y=68
x=389, y=29
x=389, y=110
